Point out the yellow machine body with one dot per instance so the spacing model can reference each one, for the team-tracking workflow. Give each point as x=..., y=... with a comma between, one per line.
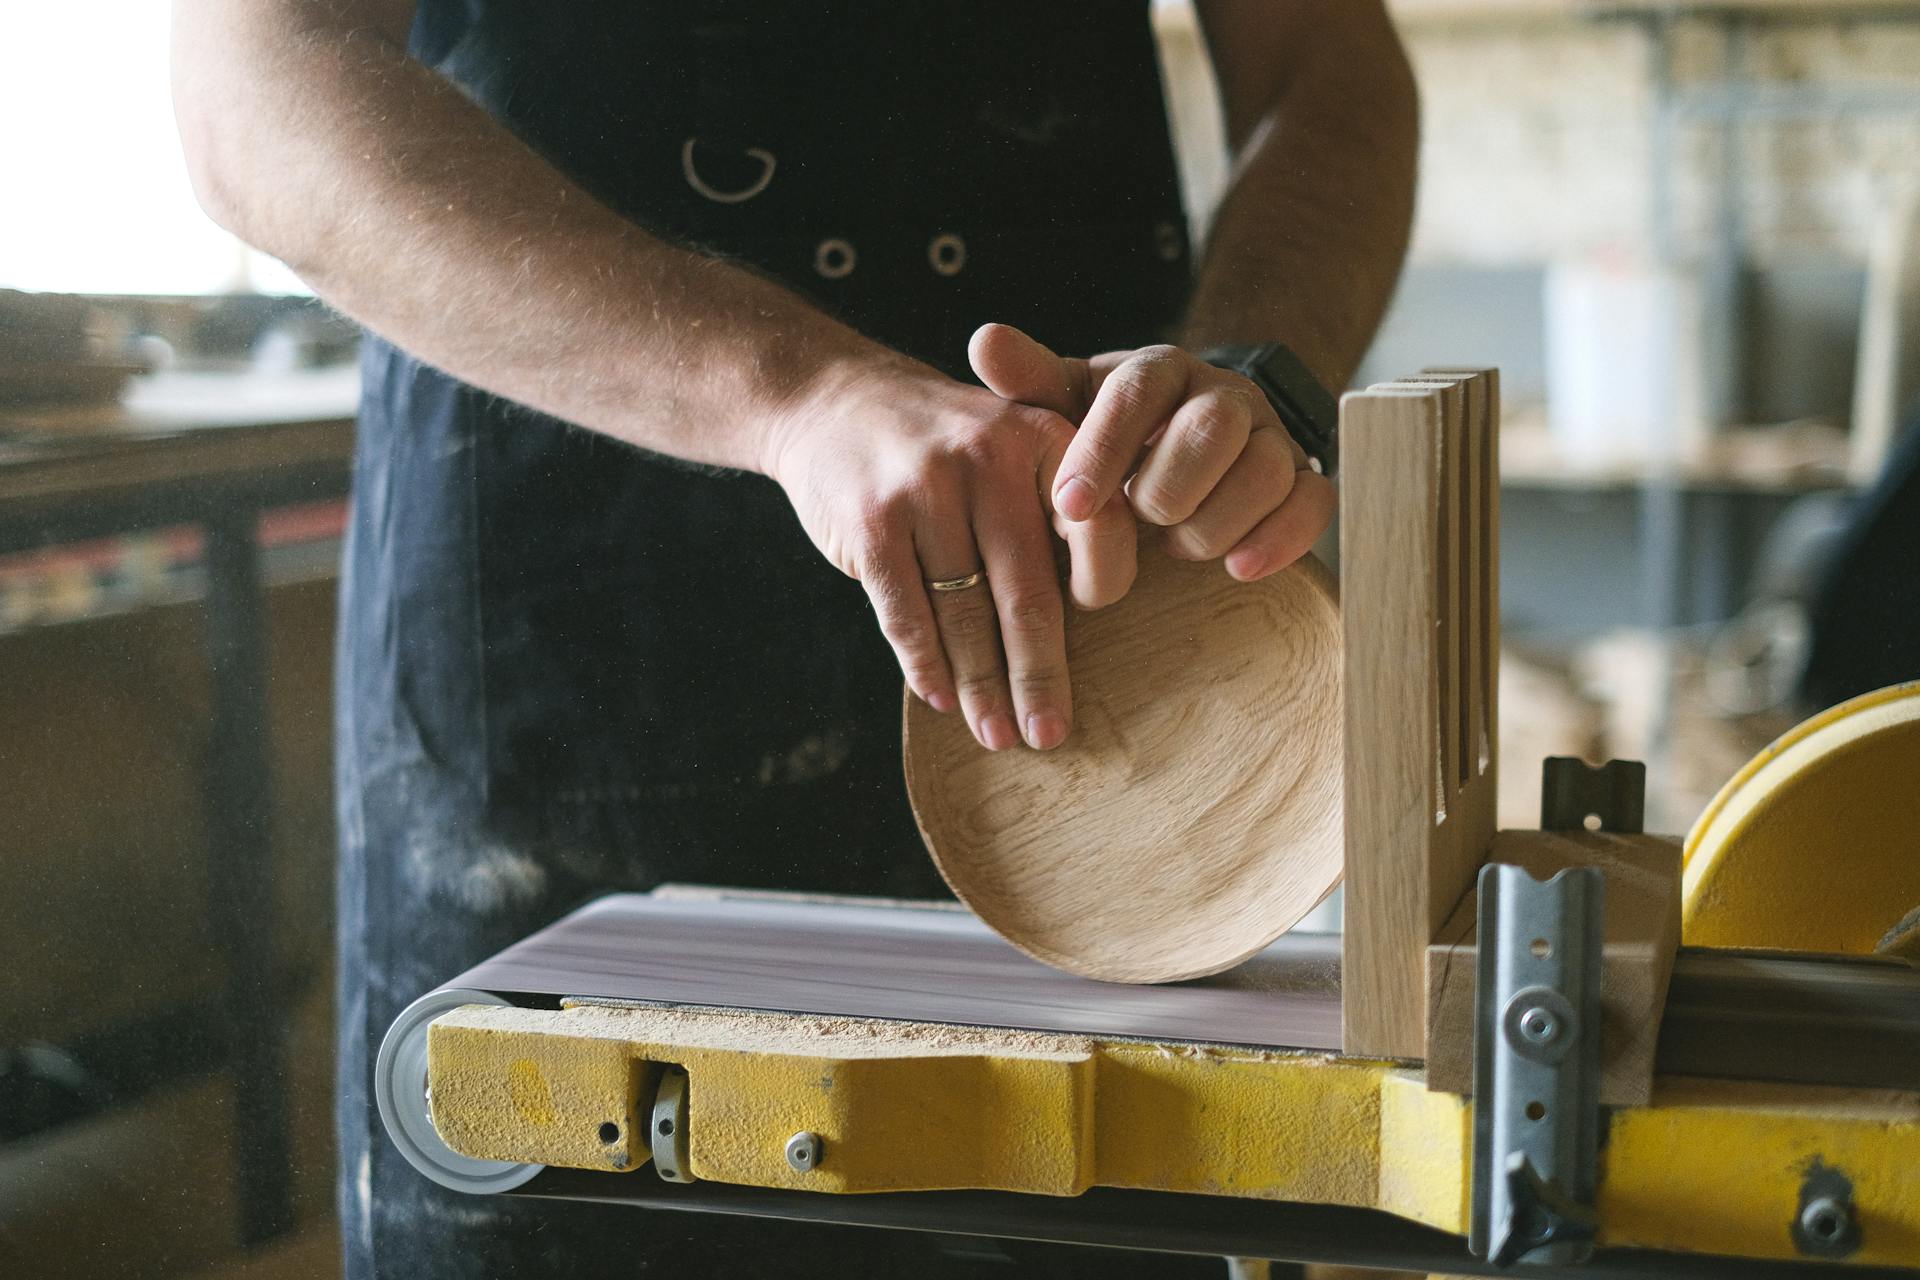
x=1811, y=847
x=1710, y=1165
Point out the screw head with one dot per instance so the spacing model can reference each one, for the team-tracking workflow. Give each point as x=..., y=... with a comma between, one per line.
x=804, y=1150
x=1825, y=1219
x=1539, y=1025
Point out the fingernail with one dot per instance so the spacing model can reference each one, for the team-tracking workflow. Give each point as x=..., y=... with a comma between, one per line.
x=1246, y=564
x=940, y=701
x=1074, y=499
x=1046, y=730
x=998, y=732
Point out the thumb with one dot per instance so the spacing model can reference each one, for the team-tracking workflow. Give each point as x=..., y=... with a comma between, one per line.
x=1015, y=367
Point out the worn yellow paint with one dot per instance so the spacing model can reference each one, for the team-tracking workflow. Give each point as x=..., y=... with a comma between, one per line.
x=1426, y=1144
x=1809, y=846
x=527, y=1087
x=754, y=1080
x=886, y=1128
x=923, y=1108
x=1236, y=1122
x=1717, y=1165
x=480, y=1097
x=1710, y=1165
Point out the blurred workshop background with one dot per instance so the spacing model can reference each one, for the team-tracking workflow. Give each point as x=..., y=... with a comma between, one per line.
x=1688, y=234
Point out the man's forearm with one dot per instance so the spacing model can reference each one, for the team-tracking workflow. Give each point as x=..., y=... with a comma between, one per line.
x=1308, y=242
x=409, y=208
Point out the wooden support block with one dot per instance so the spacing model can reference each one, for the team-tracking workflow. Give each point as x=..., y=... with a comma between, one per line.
x=1418, y=556
x=1642, y=934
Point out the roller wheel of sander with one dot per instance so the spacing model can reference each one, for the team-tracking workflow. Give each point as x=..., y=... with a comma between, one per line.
x=400, y=1090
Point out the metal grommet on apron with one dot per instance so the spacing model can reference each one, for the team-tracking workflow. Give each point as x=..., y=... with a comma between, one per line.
x=947, y=254
x=834, y=259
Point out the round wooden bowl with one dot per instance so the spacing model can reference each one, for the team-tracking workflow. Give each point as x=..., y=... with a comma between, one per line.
x=1192, y=816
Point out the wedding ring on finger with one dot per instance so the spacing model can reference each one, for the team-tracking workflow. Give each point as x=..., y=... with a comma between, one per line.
x=973, y=579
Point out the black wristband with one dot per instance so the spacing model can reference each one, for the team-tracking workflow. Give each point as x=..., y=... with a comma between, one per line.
x=1307, y=410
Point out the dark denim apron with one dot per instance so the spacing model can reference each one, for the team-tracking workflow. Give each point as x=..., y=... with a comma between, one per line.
x=568, y=667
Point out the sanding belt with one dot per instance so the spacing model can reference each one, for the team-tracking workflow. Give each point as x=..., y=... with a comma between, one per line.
x=1744, y=1015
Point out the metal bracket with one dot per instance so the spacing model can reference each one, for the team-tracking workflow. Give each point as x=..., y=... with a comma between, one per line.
x=1536, y=1065
x=667, y=1127
x=1572, y=791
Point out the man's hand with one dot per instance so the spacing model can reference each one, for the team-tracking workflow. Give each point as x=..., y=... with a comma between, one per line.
x=1193, y=448
x=904, y=478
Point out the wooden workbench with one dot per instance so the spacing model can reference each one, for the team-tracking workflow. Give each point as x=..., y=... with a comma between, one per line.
x=215, y=451
x=178, y=448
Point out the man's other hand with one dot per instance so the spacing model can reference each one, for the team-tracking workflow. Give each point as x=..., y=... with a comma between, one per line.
x=1193, y=448
x=905, y=478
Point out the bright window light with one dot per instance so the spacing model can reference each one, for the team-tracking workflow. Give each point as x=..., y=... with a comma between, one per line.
x=94, y=197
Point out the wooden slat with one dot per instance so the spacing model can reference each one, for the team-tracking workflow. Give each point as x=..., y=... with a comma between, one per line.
x=1486, y=570
x=1479, y=495
x=1489, y=594
x=1451, y=690
x=1419, y=555
x=1389, y=515
x=1467, y=495
x=1468, y=568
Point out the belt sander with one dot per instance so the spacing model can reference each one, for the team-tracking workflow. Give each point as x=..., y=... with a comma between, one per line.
x=1506, y=1061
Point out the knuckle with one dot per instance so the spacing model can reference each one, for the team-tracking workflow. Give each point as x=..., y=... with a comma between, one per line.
x=1033, y=613
x=1241, y=388
x=1030, y=681
x=979, y=686
x=969, y=624
x=973, y=436
x=975, y=451
x=923, y=673
x=1155, y=505
x=881, y=519
x=886, y=591
x=1195, y=542
x=1133, y=385
x=1214, y=425
x=1046, y=427
x=934, y=473
x=1277, y=475
x=1102, y=450
x=906, y=632
x=1148, y=368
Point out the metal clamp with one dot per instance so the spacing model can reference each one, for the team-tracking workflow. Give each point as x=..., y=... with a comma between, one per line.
x=1575, y=796
x=1536, y=1065
x=667, y=1127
